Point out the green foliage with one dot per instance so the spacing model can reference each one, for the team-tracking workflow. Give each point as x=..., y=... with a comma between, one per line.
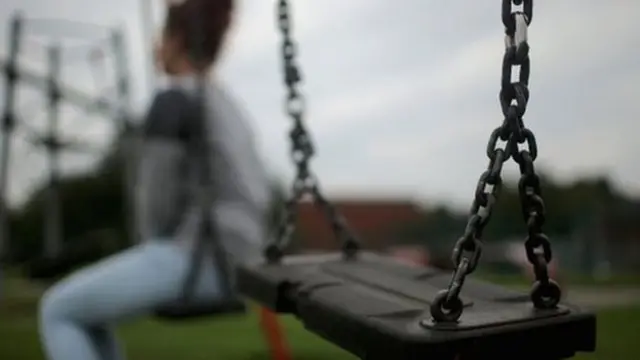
x=94, y=201
x=90, y=201
x=568, y=207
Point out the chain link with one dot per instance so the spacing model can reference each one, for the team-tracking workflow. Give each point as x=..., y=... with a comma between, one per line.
x=513, y=97
x=302, y=150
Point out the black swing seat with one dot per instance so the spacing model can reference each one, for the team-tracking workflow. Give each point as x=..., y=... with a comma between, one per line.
x=378, y=308
x=179, y=311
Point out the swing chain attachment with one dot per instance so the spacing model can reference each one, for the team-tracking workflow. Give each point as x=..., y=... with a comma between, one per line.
x=301, y=152
x=447, y=306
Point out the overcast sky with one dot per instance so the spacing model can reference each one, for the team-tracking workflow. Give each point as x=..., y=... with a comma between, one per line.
x=402, y=95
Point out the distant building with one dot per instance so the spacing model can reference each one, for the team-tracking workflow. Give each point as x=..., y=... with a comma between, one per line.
x=412, y=254
x=515, y=252
x=375, y=221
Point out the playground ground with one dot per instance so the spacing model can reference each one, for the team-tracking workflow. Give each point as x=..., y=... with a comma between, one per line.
x=238, y=338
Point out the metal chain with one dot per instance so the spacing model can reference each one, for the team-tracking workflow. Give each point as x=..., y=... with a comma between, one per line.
x=302, y=150
x=514, y=96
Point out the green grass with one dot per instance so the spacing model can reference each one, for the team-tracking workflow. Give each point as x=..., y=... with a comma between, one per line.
x=236, y=338
x=618, y=331
x=228, y=338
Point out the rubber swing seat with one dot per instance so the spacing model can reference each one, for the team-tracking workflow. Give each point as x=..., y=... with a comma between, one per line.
x=378, y=308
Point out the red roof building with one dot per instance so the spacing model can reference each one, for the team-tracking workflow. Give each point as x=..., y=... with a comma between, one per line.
x=376, y=222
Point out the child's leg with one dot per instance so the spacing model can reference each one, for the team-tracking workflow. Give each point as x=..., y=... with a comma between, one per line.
x=75, y=314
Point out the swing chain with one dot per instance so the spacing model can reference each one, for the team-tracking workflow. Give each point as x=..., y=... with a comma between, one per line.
x=546, y=292
x=447, y=306
x=301, y=152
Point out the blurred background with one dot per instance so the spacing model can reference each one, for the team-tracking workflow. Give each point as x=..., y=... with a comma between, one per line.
x=401, y=100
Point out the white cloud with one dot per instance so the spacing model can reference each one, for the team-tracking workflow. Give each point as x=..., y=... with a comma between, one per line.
x=566, y=52
x=403, y=98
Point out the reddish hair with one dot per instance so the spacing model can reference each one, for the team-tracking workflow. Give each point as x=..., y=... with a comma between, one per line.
x=214, y=17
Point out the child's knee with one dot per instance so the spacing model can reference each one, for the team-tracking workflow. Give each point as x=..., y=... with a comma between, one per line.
x=54, y=305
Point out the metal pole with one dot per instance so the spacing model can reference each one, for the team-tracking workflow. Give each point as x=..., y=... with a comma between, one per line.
x=71, y=95
x=147, y=29
x=8, y=126
x=53, y=219
x=127, y=131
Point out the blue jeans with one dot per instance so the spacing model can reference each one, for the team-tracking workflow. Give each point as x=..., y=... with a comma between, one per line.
x=77, y=314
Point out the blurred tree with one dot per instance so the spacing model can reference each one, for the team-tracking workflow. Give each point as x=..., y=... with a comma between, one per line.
x=93, y=202
x=566, y=204
x=89, y=202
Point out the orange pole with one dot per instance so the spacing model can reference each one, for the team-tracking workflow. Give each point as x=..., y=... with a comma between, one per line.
x=275, y=336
